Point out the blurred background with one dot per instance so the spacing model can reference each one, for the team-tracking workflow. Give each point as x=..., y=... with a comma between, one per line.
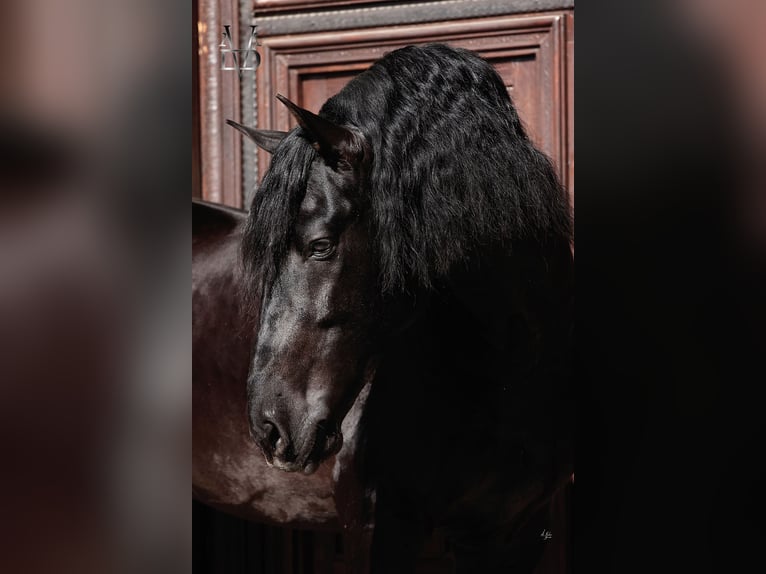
x=95, y=307
x=670, y=264
x=95, y=321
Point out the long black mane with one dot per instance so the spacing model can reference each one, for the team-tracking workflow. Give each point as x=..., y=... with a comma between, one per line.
x=453, y=171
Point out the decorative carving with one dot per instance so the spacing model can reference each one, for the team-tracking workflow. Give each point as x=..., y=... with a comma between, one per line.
x=299, y=16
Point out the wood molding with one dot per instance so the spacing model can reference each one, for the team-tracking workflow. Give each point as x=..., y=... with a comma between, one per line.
x=570, y=70
x=220, y=147
x=279, y=17
x=196, y=149
x=282, y=6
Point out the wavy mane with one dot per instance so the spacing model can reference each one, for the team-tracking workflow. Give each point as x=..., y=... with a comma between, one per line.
x=453, y=171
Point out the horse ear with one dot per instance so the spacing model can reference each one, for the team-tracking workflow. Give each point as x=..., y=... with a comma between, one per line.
x=332, y=141
x=264, y=139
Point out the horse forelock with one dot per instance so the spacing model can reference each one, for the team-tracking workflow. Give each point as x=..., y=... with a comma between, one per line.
x=273, y=211
x=453, y=171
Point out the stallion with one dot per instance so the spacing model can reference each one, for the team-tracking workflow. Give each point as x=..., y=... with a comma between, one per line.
x=410, y=240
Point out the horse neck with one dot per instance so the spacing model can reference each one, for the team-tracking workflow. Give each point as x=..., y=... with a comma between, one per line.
x=493, y=336
x=502, y=297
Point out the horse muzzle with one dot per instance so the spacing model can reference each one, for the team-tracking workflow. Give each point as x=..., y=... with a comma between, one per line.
x=303, y=451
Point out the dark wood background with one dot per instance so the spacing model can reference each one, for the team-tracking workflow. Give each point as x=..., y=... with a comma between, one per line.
x=309, y=50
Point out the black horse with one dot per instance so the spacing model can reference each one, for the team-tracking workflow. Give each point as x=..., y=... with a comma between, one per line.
x=410, y=239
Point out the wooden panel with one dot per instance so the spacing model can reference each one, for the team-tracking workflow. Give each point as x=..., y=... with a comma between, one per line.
x=196, y=154
x=528, y=51
x=570, y=106
x=336, y=15
x=271, y=6
x=220, y=148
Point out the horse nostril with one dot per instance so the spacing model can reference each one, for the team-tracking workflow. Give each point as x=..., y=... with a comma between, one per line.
x=328, y=437
x=333, y=444
x=270, y=433
x=275, y=440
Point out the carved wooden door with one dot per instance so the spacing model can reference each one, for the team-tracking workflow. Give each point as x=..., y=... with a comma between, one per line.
x=309, y=55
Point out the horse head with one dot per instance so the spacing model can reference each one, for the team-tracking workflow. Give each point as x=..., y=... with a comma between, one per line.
x=414, y=181
x=319, y=307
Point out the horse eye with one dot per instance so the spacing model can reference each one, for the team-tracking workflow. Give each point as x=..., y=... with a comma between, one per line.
x=322, y=249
